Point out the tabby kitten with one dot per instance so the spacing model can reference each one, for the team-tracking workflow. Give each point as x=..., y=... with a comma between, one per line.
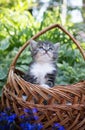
x=43, y=69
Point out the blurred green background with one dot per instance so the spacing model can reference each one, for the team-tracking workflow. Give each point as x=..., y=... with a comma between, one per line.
x=21, y=19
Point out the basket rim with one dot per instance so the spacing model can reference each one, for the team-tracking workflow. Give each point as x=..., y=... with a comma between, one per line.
x=66, y=91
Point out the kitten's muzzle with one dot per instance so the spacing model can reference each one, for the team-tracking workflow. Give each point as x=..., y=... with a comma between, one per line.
x=46, y=51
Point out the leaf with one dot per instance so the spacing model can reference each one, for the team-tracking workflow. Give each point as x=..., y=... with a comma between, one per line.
x=4, y=44
x=2, y=73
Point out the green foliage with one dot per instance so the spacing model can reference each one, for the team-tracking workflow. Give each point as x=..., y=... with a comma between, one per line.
x=17, y=25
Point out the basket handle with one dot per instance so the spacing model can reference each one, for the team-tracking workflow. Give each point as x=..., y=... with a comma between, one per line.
x=42, y=32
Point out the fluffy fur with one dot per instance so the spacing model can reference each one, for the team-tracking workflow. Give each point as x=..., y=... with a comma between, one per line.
x=43, y=69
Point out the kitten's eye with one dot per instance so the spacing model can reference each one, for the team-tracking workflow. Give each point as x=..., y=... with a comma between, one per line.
x=41, y=48
x=50, y=49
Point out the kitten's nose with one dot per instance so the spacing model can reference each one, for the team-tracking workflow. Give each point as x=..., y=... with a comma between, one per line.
x=46, y=51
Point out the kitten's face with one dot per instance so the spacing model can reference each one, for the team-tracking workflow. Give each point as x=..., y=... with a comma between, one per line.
x=44, y=51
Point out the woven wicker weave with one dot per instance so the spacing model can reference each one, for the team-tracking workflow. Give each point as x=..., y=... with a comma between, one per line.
x=65, y=104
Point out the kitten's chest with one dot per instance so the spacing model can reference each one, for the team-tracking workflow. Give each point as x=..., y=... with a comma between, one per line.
x=40, y=70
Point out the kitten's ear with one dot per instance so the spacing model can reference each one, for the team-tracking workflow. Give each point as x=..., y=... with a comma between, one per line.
x=33, y=44
x=57, y=45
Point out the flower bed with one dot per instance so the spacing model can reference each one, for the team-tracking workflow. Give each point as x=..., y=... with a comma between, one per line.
x=11, y=121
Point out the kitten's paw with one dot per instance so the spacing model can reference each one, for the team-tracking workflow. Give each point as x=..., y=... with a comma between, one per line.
x=45, y=86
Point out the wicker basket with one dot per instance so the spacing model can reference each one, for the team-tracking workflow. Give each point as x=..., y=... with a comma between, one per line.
x=65, y=104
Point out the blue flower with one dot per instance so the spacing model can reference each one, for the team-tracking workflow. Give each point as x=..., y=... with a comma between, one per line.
x=34, y=110
x=57, y=126
x=31, y=113
x=22, y=117
x=11, y=118
x=28, y=126
x=8, y=121
x=28, y=111
x=5, y=127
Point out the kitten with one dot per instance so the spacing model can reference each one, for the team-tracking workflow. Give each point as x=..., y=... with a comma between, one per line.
x=43, y=69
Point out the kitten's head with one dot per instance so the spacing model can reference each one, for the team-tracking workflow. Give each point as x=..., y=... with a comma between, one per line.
x=44, y=51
